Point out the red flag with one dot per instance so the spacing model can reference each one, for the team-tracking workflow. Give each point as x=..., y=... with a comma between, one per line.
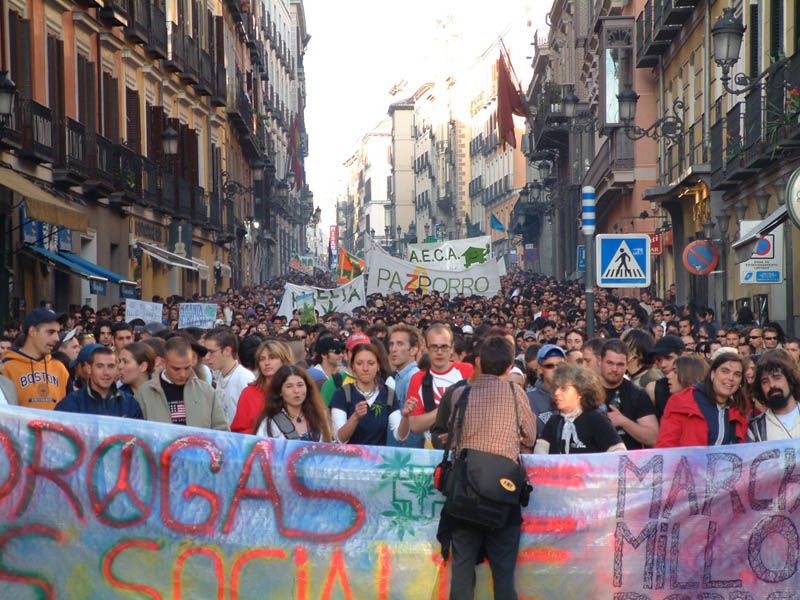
x=508, y=103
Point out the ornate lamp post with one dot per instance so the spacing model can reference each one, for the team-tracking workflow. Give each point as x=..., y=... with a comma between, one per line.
x=670, y=127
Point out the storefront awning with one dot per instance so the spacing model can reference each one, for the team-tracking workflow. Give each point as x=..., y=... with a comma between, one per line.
x=64, y=263
x=41, y=204
x=96, y=269
x=174, y=260
x=743, y=248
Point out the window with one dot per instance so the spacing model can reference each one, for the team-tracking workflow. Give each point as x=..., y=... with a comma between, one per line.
x=776, y=49
x=616, y=68
x=753, y=29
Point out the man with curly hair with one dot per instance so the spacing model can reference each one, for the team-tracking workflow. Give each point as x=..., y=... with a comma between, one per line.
x=777, y=387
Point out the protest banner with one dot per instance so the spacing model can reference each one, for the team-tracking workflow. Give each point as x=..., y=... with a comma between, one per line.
x=341, y=299
x=298, y=264
x=452, y=255
x=98, y=507
x=149, y=312
x=196, y=314
x=371, y=249
x=389, y=275
x=350, y=266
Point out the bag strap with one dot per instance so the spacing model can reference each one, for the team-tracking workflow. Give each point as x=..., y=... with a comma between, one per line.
x=456, y=423
x=428, y=400
x=516, y=408
x=285, y=426
x=348, y=396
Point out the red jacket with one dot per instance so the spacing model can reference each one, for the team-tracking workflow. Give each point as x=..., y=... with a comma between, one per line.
x=250, y=406
x=684, y=425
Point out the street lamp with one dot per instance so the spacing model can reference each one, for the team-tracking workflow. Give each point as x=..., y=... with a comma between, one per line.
x=8, y=92
x=741, y=210
x=257, y=167
x=762, y=202
x=569, y=104
x=670, y=126
x=724, y=222
x=708, y=229
x=169, y=142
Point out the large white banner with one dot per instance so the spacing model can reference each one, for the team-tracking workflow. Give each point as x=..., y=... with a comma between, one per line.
x=452, y=255
x=390, y=275
x=342, y=299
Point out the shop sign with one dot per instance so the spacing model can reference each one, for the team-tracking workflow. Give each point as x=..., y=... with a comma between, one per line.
x=149, y=231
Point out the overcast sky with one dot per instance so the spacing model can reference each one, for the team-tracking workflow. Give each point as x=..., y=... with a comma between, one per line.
x=359, y=49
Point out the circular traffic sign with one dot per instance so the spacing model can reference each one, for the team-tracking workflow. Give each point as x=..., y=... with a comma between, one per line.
x=700, y=257
x=793, y=197
x=763, y=247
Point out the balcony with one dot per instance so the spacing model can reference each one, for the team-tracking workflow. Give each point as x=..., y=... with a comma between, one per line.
x=657, y=25
x=215, y=221
x=235, y=7
x=157, y=44
x=150, y=181
x=38, y=141
x=230, y=221
x=689, y=156
x=612, y=166
x=138, y=27
x=550, y=129
x=113, y=13
x=185, y=198
x=176, y=59
x=128, y=179
x=199, y=206
x=168, y=201
x=205, y=87
x=191, y=68
x=716, y=157
x=70, y=167
x=220, y=90
x=240, y=112
x=11, y=129
x=103, y=162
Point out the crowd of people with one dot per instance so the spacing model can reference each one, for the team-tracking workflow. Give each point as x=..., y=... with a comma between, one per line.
x=654, y=374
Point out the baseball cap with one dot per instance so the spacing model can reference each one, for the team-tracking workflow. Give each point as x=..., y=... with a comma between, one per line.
x=668, y=344
x=356, y=339
x=40, y=316
x=724, y=350
x=328, y=344
x=529, y=335
x=549, y=351
x=467, y=329
x=65, y=336
x=86, y=353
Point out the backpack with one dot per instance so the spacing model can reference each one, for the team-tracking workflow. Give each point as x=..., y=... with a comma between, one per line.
x=428, y=400
x=348, y=397
x=338, y=380
x=286, y=426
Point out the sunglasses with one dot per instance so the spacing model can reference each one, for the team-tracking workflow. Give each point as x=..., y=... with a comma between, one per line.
x=548, y=367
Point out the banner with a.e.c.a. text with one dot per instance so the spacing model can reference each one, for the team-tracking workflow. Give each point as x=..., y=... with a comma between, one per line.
x=97, y=507
x=389, y=275
x=341, y=299
x=452, y=255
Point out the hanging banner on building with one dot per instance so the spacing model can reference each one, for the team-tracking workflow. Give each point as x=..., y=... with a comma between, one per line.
x=108, y=506
x=765, y=265
x=389, y=275
x=149, y=312
x=452, y=255
x=195, y=314
x=334, y=240
x=341, y=299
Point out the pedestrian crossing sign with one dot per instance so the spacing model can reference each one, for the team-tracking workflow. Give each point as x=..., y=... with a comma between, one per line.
x=623, y=260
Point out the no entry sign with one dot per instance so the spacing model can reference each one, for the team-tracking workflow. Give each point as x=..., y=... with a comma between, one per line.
x=700, y=257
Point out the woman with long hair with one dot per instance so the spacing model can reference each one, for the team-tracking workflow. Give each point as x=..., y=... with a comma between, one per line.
x=136, y=363
x=365, y=410
x=270, y=356
x=579, y=427
x=688, y=371
x=293, y=409
x=712, y=413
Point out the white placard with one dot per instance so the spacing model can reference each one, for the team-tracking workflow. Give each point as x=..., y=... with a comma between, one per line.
x=452, y=255
x=195, y=314
x=766, y=263
x=149, y=312
x=341, y=299
x=389, y=275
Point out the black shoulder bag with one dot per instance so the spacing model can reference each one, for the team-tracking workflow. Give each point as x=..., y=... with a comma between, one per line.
x=481, y=487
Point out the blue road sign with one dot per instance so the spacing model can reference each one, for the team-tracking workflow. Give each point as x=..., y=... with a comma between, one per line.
x=581, y=267
x=623, y=260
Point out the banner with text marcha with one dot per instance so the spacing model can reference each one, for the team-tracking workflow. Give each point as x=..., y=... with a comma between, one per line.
x=341, y=299
x=97, y=507
x=388, y=275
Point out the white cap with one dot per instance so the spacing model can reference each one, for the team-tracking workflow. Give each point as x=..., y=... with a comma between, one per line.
x=467, y=329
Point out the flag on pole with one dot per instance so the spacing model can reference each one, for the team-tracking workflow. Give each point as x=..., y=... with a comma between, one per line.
x=509, y=103
x=496, y=223
x=330, y=254
x=350, y=266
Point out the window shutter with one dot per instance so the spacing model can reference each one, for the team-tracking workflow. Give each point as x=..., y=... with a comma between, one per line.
x=754, y=49
x=776, y=29
x=110, y=104
x=134, y=120
x=91, y=98
x=20, y=43
x=208, y=38
x=219, y=32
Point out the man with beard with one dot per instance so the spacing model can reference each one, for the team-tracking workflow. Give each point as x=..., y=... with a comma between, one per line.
x=777, y=387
